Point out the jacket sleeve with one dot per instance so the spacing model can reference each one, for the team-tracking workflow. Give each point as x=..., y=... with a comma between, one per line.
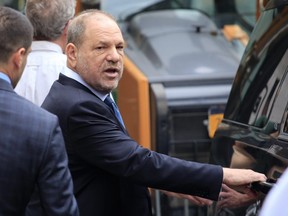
x=97, y=138
x=53, y=194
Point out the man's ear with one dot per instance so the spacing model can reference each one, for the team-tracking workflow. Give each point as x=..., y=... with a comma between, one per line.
x=19, y=57
x=71, y=53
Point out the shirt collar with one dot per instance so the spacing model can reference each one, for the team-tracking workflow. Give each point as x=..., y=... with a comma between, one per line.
x=45, y=46
x=5, y=77
x=75, y=76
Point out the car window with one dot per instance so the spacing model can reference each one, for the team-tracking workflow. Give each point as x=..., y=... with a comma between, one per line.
x=285, y=128
x=16, y=4
x=261, y=74
x=222, y=12
x=247, y=10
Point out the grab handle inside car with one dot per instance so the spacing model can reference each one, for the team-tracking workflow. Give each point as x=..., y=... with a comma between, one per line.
x=263, y=187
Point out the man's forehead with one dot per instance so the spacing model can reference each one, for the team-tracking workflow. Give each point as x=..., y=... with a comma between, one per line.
x=104, y=35
x=99, y=17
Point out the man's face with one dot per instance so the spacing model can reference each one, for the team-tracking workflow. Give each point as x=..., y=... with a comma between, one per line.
x=100, y=57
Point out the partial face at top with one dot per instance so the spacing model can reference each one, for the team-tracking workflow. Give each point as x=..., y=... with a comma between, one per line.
x=99, y=59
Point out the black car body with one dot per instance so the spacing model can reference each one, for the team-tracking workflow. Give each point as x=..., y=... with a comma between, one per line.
x=254, y=131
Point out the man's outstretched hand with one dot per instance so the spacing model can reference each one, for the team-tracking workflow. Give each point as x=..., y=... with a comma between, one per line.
x=238, y=177
x=230, y=198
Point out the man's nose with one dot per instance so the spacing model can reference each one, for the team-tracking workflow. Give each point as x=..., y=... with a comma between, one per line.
x=113, y=55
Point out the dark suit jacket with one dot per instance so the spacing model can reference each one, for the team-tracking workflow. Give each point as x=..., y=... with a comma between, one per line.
x=111, y=172
x=32, y=152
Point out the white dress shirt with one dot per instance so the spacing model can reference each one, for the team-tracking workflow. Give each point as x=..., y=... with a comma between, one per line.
x=44, y=64
x=275, y=203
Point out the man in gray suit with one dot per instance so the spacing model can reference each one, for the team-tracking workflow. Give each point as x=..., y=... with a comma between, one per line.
x=32, y=150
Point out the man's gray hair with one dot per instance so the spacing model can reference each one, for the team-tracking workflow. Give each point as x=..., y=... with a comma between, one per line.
x=78, y=26
x=49, y=17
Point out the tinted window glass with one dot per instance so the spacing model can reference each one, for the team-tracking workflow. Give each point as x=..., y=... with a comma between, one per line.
x=247, y=10
x=285, y=128
x=240, y=12
x=16, y=4
x=261, y=73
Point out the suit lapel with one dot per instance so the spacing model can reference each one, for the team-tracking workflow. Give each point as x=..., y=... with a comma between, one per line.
x=70, y=82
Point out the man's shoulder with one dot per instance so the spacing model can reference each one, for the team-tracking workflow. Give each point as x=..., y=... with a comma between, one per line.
x=34, y=110
x=40, y=46
x=27, y=119
x=68, y=94
x=46, y=53
x=44, y=58
x=66, y=86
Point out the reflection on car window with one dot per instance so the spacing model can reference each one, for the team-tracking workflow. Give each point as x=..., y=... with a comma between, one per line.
x=260, y=77
x=247, y=9
x=222, y=12
x=16, y=4
x=285, y=128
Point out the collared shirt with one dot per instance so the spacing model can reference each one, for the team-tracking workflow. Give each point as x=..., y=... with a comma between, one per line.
x=73, y=75
x=5, y=77
x=44, y=64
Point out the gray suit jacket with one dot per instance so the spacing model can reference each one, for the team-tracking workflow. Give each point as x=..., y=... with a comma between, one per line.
x=32, y=154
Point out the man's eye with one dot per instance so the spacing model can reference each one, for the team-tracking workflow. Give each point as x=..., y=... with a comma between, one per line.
x=120, y=47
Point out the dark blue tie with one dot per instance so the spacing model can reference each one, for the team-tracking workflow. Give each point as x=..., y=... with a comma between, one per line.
x=114, y=107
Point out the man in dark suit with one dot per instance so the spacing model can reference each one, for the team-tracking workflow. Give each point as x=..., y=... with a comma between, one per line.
x=111, y=172
x=32, y=149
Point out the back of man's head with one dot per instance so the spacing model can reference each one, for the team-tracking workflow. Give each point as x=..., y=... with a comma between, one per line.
x=15, y=32
x=49, y=17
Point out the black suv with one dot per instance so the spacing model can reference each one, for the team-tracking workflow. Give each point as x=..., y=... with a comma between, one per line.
x=254, y=131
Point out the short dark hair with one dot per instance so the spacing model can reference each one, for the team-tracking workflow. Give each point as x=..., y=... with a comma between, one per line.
x=16, y=32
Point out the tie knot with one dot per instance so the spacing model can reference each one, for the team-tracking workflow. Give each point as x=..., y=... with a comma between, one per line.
x=108, y=100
